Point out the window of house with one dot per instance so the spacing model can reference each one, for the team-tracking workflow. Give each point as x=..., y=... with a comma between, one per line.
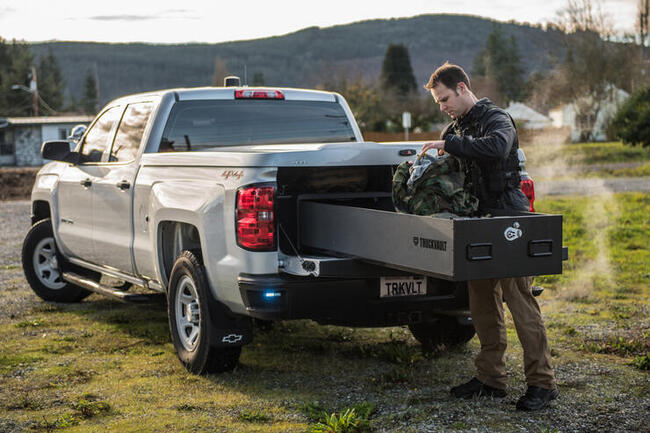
x=63, y=133
x=7, y=143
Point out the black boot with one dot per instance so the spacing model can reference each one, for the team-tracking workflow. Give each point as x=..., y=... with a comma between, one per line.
x=536, y=398
x=476, y=388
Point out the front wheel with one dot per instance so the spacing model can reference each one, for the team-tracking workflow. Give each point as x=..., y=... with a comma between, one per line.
x=445, y=330
x=42, y=266
x=187, y=308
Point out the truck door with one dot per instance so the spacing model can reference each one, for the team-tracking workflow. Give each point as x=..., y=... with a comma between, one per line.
x=113, y=192
x=76, y=186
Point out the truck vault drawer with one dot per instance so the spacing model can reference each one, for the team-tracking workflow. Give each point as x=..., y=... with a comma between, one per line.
x=454, y=249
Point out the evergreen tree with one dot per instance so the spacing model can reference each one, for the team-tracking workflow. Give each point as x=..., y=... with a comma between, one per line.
x=89, y=99
x=396, y=71
x=50, y=81
x=258, y=79
x=15, y=65
x=499, y=61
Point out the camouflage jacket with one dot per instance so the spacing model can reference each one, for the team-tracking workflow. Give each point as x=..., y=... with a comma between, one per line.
x=438, y=189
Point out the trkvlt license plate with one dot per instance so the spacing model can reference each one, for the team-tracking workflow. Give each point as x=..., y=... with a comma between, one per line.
x=391, y=287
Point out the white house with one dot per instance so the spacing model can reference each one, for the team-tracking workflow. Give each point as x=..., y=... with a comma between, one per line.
x=586, y=126
x=21, y=137
x=529, y=118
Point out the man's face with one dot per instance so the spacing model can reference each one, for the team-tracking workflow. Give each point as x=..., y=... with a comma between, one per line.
x=450, y=100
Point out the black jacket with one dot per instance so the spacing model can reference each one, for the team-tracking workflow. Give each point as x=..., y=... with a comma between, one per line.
x=486, y=139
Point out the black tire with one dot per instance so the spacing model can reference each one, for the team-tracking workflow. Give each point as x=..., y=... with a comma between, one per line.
x=444, y=331
x=187, y=309
x=43, y=265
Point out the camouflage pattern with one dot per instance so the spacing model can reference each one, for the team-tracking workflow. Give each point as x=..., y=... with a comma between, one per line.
x=438, y=190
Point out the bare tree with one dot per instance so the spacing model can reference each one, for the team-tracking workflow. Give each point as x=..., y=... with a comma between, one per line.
x=642, y=24
x=221, y=71
x=591, y=67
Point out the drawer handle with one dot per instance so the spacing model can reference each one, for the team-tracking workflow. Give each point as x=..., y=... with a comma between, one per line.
x=476, y=252
x=540, y=248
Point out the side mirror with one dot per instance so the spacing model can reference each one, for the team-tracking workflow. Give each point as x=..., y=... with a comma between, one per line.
x=59, y=150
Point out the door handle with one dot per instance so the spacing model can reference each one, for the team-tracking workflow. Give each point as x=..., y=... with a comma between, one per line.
x=123, y=185
x=86, y=183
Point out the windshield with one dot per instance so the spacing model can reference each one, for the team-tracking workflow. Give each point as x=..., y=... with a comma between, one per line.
x=202, y=125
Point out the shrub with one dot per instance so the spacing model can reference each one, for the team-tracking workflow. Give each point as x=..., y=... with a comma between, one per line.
x=631, y=124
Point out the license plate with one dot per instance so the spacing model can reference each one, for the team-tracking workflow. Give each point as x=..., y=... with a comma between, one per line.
x=391, y=287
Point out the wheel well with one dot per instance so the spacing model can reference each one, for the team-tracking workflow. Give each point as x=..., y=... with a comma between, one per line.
x=175, y=237
x=40, y=211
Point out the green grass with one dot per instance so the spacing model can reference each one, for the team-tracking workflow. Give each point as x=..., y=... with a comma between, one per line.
x=555, y=161
x=606, y=281
x=606, y=152
x=638, y=169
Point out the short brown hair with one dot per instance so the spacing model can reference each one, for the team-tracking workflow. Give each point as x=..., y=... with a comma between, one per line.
x=449, y=75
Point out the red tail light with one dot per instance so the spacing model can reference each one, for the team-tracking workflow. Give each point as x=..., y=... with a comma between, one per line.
x=258, y=94
x=254, y=223
x=528, y=188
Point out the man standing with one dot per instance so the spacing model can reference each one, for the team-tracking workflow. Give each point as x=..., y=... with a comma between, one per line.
x=484, y=136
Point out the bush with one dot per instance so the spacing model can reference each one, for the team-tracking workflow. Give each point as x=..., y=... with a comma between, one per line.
x=631, y=124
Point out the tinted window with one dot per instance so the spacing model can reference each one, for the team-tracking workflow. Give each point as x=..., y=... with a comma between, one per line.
x=98, y=137
x=201, y=125
x=129, y=133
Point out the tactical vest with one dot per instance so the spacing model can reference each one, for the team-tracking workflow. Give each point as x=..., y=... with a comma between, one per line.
x=439, y=189
x=487, y=179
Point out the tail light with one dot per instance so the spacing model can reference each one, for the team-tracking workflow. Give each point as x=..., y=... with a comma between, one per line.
x=254, y=223
x=528, y=188
x=258, y=94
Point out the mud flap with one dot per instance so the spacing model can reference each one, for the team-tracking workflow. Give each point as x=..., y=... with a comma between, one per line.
x=226, y=328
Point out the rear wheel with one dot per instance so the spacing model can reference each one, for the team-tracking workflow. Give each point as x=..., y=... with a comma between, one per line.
x=42, y=265
x=445, y=330
x=187, y=307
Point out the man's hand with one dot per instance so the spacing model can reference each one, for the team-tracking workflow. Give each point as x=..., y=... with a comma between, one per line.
x=438, y=144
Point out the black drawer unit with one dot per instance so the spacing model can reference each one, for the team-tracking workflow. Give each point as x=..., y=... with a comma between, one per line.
x=453, y=249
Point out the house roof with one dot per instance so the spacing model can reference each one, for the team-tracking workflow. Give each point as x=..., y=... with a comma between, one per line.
x=45, y=120
x=523, y=112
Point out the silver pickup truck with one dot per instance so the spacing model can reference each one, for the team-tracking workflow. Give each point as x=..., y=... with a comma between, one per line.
x=241, y=203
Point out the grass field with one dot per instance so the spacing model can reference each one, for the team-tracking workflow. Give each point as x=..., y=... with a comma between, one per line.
x=553, y=161
x=104, y=366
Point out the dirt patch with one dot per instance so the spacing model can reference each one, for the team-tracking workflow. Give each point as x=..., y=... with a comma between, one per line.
x=16, y=182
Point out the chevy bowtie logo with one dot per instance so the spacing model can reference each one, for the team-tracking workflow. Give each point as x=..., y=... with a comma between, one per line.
x=232, y=338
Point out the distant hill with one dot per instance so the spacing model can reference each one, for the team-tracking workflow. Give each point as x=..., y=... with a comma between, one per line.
x=301, y=59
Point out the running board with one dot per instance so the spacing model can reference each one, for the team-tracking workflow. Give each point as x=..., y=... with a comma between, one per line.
x=111, y=292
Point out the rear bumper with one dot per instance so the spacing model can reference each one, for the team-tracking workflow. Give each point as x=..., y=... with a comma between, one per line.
x=349, y=302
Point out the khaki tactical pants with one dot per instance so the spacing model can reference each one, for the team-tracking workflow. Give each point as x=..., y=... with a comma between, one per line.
x=486, y=305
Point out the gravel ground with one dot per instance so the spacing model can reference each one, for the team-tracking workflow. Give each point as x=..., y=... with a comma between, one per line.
x=591, y=186
x=597, y=394
x=15, y=221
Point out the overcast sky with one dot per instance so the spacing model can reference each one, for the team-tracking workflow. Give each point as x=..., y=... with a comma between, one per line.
x=217, y=21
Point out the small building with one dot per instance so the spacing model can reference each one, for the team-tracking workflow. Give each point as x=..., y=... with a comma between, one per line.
x=21, y=137
x=587, y=120
x=527, y=117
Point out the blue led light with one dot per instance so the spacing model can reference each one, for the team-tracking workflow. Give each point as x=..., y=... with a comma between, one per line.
x=270, y=294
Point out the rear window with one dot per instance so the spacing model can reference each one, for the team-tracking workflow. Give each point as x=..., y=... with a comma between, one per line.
x=203, y=125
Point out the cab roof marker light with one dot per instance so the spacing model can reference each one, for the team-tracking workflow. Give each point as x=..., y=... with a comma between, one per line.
x=258, y=94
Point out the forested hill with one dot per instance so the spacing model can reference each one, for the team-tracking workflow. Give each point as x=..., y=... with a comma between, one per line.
x=302, y=59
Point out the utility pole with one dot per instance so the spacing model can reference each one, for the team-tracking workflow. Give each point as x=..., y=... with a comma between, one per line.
x=97, y=86
x=33, y=87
